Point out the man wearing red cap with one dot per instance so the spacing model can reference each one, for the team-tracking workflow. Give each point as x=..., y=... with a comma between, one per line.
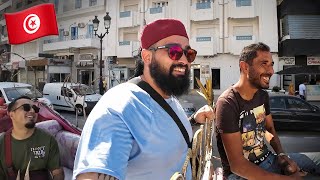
x=129, y=135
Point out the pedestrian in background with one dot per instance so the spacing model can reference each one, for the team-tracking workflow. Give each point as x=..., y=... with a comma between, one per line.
x=128, y=135
x=291, y=90
x=302, y=89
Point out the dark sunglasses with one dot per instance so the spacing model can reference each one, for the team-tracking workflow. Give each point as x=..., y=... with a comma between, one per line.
x=175, y=52
x=27, y=108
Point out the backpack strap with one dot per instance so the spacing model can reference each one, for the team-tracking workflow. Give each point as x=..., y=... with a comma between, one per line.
x=8, y=154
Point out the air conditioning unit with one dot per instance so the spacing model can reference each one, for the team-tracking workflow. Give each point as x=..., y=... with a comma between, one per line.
x=81, y=25
x=65, y=33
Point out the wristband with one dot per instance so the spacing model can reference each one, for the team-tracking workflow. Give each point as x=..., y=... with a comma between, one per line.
x=192, y=120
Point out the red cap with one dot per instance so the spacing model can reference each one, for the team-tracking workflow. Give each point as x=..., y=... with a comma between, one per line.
x=160, y=29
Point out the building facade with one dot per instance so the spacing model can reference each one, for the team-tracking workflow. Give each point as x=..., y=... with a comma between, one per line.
x=218, y=30
x=299, y=39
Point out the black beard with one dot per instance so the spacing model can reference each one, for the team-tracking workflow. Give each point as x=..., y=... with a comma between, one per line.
x=168, y=83
x=254, y=79
x=30, y=125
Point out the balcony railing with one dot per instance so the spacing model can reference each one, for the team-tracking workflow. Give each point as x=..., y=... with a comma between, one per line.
x=243, y=37
x=124, y=43
x=59, y=39
x=125, y=14
x=203, y=5
x=155, y=10
x=201, y=39
x=240, y=3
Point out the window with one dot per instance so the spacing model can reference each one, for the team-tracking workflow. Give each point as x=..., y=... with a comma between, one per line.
x=240, y=3
x=160, y=4
x=78, y=4
x=215, y=78
x=297, y=104
x=277, y=103
x=74, y=33
x=90, y=31
x=92, y=2
x=243, y=32
x=61, y=32
x=56, y=4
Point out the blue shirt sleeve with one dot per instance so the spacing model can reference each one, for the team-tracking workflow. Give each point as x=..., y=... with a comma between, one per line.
x=105, y=145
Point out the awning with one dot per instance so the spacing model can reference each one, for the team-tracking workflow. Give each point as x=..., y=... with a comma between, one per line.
x=300, y=70
x=37, y=62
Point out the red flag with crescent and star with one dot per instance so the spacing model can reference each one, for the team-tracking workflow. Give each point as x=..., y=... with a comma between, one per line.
x=31, y=23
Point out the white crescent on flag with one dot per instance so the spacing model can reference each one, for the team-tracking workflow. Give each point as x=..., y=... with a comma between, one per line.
x=31, y=23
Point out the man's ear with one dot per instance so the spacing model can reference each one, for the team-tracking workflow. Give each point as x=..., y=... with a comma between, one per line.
x=146, y=56
x=244, y=66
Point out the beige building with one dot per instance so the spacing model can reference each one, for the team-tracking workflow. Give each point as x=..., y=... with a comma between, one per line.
x=218, y=30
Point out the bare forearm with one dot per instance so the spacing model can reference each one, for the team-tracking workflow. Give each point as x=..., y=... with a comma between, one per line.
x=251, y=171
x=275, y=141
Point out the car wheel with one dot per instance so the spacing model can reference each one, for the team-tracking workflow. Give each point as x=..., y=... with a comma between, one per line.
x=79, y=110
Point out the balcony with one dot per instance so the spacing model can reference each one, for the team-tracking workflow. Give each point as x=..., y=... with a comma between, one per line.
x=5, y=4
x=203, y=11
x=205, y=46
x=238, y=42
x=127, y=49
x=82, y=41
x=128, y=19
x=242, y=9
x=157, y=13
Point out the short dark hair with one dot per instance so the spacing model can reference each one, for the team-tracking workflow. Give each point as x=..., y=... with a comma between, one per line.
x=248, y=53
x=11, y=105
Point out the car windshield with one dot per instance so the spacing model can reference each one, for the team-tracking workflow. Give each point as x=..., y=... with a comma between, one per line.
x=15, y=92
x=82, y=90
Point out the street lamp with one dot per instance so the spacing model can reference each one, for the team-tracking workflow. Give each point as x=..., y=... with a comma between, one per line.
x=107, y=22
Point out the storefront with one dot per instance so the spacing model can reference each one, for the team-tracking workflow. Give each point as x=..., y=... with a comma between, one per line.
x=58, y=70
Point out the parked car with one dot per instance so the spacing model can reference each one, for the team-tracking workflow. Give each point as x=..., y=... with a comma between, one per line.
x=12, y=90
x=293, y=113
x=71, y=97
x=188, y=108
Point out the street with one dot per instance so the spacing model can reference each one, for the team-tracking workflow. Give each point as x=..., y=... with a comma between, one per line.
x=291, y=141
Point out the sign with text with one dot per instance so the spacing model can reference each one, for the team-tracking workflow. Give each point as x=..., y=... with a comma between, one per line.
x=313, y=61
x=288, y=60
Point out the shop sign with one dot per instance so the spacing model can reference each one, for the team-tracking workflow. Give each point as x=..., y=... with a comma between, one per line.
x=288, y=60
x=59, y=62
x=85, y=64
x=313, y=61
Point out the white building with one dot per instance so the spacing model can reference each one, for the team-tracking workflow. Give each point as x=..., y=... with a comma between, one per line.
x=218, y=30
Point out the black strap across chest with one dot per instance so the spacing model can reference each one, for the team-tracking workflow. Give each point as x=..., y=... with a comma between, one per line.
x=159, y=99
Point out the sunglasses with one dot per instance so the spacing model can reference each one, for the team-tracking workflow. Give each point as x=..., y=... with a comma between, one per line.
x=27, y=108
x=175, y=52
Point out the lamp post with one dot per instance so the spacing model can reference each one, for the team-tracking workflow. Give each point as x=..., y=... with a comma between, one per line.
x=107, y=22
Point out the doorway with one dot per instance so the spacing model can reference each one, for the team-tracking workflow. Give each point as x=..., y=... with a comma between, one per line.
x=196, y=74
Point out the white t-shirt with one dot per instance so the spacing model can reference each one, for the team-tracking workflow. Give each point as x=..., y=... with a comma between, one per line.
x=302, y=89
x=129, y=136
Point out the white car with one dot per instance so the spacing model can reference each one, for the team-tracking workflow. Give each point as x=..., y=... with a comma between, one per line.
x=12, y=90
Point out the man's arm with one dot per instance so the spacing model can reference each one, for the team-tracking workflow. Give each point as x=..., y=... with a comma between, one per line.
x=95, y=176
x=58, y=174
x=277, y=147
x=241, y=166
x=275, y=141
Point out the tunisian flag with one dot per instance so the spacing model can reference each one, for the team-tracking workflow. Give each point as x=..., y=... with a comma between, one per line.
x=32, y=23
